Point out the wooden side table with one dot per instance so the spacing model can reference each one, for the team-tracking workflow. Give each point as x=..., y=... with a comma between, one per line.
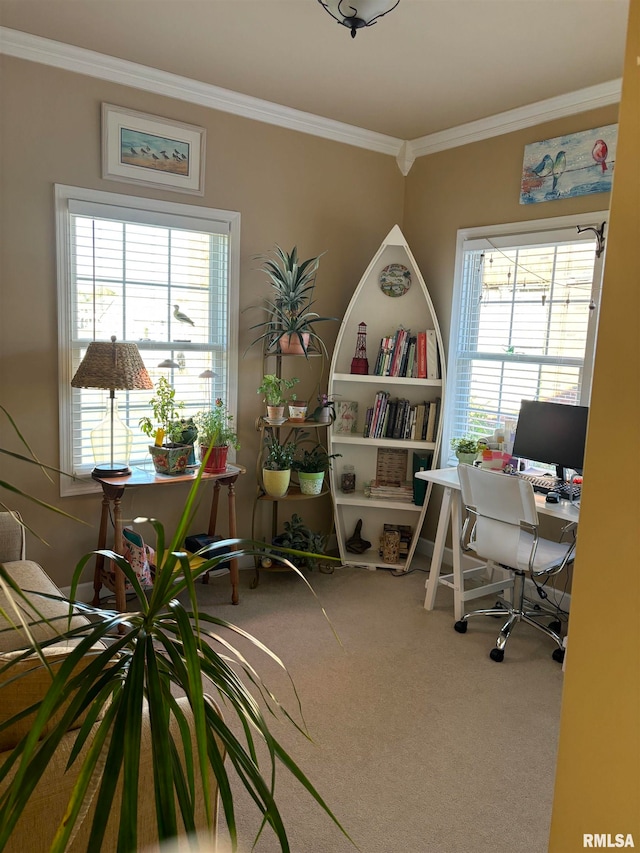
x=113, y=489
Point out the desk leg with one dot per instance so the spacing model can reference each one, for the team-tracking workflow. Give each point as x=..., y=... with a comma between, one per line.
x=458, y=577
x=438, y=550
x=233, y=564
x=102, y=543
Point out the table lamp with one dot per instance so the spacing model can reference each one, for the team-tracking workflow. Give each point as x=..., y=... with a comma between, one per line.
x=110, y=366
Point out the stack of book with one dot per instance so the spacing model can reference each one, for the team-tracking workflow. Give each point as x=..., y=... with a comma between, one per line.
x=404, y=354
x=398, y=418
x=401, y=492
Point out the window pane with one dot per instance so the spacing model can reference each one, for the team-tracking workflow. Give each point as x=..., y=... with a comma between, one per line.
x=159, y=284
x=523, y=327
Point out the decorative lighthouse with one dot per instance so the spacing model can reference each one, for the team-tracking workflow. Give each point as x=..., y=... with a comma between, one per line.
x=360, y=363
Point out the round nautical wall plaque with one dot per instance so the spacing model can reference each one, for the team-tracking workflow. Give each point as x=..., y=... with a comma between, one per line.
x=395, y=280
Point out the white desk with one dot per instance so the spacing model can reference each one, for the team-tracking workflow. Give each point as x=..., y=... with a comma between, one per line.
x=451, y=510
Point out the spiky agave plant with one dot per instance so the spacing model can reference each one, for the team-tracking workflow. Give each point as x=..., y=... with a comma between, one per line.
x=161, y=645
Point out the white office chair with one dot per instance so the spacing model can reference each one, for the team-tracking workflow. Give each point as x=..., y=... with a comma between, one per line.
x=501, y=526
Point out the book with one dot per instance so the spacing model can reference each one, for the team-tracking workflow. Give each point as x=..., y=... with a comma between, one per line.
x=432, y=422
x=421, y=355
x=433, y=365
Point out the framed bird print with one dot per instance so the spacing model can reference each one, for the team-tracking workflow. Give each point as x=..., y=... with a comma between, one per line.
x=568, y=166
x=152, y=151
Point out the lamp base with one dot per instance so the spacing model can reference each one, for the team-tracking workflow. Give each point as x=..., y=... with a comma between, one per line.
x=113, y=469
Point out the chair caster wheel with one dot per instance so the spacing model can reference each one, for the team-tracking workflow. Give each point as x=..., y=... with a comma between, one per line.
x=497, y=655
x=558, y=655
x=461, y=626
x=556, y=626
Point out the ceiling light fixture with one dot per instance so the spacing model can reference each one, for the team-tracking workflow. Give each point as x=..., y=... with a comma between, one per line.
x=356, y=14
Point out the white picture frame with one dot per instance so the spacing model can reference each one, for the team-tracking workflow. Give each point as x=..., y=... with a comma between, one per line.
x=152, y=151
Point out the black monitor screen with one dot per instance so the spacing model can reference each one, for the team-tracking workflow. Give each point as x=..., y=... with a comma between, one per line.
x=552, y=434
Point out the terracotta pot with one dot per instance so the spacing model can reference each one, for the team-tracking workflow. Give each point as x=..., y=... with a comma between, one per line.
x=275, y=412
x=276, y=483
x=291, y=345
x=217, y=461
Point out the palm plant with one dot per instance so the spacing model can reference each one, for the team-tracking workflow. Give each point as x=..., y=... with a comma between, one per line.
x=165, y=645
x=288, y=312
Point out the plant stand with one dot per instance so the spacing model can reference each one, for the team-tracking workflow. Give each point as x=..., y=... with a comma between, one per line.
x=284, y=431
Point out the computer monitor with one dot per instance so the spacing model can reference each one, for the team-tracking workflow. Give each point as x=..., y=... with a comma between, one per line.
x=552, y=434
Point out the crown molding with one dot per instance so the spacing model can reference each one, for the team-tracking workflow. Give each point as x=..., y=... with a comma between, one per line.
x=90, y=63
x=602, y=95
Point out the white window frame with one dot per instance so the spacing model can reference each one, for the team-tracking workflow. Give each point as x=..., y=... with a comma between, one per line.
x=147, y=209
x=497, y=236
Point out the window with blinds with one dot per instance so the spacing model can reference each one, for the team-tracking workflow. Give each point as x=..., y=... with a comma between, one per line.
x=159, y=275
x=523, y=327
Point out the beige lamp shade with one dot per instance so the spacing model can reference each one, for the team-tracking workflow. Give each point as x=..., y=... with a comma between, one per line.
x=112, y=365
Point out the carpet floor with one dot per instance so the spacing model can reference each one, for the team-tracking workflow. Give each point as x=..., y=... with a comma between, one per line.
x=420, y=743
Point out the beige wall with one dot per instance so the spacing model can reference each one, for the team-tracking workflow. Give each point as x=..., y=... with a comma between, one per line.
x=289, y=188
x=598, y=772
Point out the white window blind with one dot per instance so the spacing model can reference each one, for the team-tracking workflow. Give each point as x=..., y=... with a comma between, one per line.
x=524, y=319
x=126, y=264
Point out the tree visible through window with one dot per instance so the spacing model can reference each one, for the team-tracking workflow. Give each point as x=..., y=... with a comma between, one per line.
x=158, y=275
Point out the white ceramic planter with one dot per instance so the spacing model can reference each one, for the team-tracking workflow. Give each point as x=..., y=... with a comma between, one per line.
x=311, y=483
x=297, y=413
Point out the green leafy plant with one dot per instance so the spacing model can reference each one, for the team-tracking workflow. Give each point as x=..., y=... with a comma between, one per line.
x=215, y=427
x=274, y=388
x=143, y=657
x=279, y=455
x=465, y=445
x=31, y=458
x=325, y=403
x=300, y=539
x=313, y=461
x=166, y=416
x=288, y=312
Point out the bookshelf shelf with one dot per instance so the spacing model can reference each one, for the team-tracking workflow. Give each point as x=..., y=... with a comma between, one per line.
x=393, y=326
x=395, y=381
x=383, y=442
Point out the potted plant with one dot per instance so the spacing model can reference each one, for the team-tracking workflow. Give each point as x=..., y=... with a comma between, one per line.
x=311, y=466
x=325, y=411
x=466, y=449
x=276, y=466
x=174, y=436
x=274, y=389
x=176, y=643
x=289, y=323
x=297, y=409
x=217, y=435
x=298, y=537
x=169, y=645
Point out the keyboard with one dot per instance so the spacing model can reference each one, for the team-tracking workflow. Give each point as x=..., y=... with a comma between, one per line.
x=543, y=485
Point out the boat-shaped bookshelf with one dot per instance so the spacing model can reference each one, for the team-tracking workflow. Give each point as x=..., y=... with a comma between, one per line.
x=389, y=418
